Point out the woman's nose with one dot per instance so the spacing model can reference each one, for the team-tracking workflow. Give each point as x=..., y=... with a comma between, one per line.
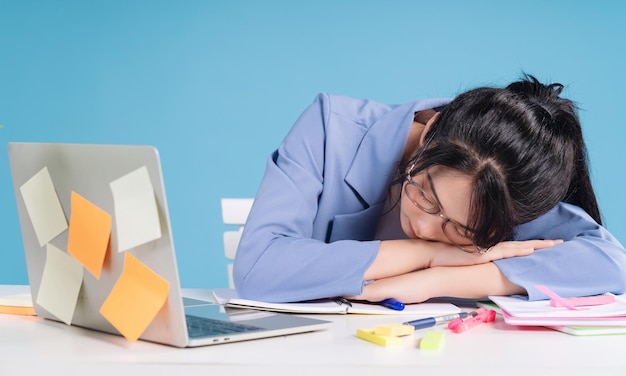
x=429, y=226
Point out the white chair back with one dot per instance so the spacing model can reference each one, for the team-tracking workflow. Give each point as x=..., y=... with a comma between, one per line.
x=234, y=212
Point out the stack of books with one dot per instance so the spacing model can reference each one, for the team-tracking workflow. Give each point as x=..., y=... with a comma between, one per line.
x=595, y=319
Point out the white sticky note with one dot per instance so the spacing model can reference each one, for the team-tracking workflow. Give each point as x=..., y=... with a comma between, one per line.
x=60, y=284
x=136, y=213
x=43, y=206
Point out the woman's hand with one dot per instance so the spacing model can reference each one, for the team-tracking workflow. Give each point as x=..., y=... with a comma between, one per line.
x=448, y=255
x=471, y=282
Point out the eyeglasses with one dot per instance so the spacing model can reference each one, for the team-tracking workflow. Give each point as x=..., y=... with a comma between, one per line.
x=458, y=234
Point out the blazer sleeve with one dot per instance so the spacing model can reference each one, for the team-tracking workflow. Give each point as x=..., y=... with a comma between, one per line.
x=590, y=261
x=279, y=258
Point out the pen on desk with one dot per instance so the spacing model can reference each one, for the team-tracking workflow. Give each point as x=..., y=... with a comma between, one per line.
x=392, y=304
x=389, y=303
x=472, y=314
x=432, y=321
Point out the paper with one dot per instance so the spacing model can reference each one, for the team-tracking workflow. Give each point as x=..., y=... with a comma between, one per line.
x=43, y=207
x=590, y=330
x=89, y=234
x=516, y=311
x=542, y=309
x=17, y=300
x=229, y=297
x=60, y=284
x=136, y=212
x=136, y=298
x=19, y=304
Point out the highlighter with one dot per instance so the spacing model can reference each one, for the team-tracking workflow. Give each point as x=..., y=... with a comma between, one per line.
x=463, y=324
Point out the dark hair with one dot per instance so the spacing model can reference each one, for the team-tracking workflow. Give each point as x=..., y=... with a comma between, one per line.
x=524, y=149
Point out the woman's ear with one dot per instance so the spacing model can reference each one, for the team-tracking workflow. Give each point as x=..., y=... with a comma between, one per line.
x=428, y=126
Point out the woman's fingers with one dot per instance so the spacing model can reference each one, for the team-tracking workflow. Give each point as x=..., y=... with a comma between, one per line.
x=518, y=248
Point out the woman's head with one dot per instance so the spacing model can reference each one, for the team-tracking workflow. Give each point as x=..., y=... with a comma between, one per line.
x=521, y=148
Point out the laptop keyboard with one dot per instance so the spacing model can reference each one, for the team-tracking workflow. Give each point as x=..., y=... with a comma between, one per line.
x=206, y=327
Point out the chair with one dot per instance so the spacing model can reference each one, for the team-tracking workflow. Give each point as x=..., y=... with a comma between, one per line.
x=234, y=212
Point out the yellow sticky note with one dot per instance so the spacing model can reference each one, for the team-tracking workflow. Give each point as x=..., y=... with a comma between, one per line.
x=89, y=234
x=433, y=340
x=370, y=336
x=60, y=284
x=136, y=298
x=43, y=207
x=396, y=330
x=136, y=213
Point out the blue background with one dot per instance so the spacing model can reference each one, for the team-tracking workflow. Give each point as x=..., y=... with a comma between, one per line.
x=215, y=85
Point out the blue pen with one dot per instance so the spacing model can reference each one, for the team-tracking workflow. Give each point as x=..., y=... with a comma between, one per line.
x=432, y=321
x=392, y=304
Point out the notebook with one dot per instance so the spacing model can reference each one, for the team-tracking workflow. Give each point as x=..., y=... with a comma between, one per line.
x=17, y=304
x=519, y=311
x=230, y=298
x=76, y=204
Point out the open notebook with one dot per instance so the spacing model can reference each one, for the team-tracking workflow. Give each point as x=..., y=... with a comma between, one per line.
x=229, y=297
x=100, y=254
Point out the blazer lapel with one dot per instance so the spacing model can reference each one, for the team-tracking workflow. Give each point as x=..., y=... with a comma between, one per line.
x=375, y=163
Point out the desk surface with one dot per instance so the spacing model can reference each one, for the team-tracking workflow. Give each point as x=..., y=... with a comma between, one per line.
x=30, y=344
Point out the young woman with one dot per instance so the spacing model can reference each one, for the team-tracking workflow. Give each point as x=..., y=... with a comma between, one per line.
x=487, y=194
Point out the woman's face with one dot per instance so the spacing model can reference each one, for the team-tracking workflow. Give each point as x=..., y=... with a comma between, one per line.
x=433, y=198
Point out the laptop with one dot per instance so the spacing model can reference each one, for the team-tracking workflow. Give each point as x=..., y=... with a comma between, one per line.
x=88, y=170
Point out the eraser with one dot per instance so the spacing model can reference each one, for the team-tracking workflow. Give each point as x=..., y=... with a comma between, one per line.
x=397, y=330
x=433, y=340
x=368, y=335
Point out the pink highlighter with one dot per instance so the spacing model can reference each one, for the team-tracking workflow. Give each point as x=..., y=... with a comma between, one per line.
x=473, y=319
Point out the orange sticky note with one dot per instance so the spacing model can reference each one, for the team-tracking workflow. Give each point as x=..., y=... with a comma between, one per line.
x=89, y=234
x=136, y=298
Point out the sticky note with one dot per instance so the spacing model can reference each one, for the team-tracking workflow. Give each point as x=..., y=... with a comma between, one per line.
x=43, y=207
x=19, y=304
x=136, y=298
x=136, y=213
x=433, y=340
x=397, y=330
x=89, y=234
x=369, y=335
x=60, y=284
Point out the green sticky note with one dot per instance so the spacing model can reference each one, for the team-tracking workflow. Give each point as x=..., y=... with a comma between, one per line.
x=433, y=340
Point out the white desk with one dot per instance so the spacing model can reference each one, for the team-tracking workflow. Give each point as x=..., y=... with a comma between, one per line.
x=31, y=344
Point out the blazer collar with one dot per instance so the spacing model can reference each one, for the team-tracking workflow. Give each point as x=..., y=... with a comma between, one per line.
x=375, y=163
